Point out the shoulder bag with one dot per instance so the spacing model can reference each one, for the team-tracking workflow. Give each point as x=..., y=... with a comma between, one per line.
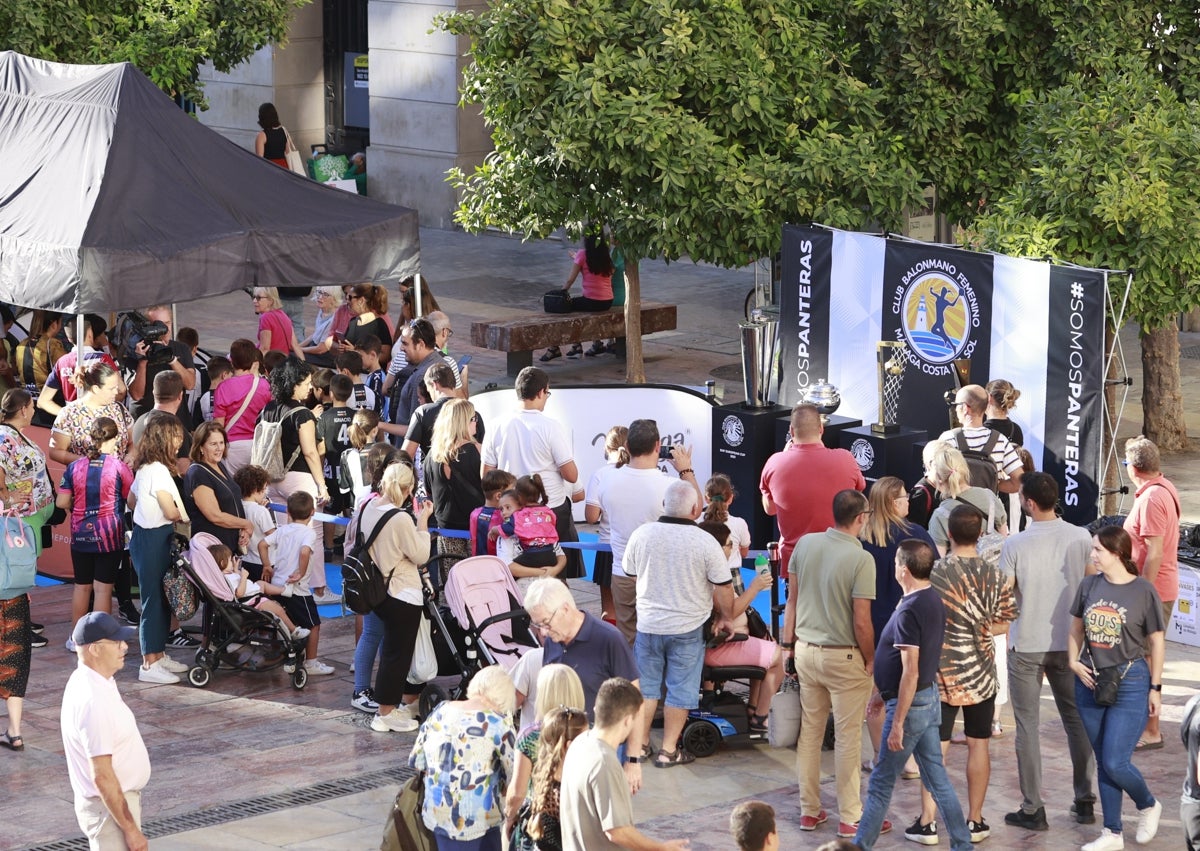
x=245, y=404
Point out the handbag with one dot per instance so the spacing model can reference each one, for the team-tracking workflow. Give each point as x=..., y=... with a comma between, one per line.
x=183, y=598
x=405, y=829
x=294, y=161
x=424, y=661
x=783, y=725
x=18, y=556
x=557, y=301
x=1108, y=683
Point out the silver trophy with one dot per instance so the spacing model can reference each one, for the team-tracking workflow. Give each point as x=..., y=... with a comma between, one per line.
x=891, y=360
x=825, y=396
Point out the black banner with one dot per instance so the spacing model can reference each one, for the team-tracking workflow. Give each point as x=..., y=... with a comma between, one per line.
x=804, y=309
x=1075, y=388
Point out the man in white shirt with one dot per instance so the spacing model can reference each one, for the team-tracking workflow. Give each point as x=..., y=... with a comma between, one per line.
x=971, y=401
x=106, y=757
x=530, y=442
x=630, y=497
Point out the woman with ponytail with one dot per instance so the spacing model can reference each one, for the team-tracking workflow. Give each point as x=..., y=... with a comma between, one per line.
x=719, y=494
x=617, y=455
x=1118, y=624
x=94, y=490
x=560, y=728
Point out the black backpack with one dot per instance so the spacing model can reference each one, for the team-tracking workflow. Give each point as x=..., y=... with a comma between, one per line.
x=979, y=461
x=364, y=587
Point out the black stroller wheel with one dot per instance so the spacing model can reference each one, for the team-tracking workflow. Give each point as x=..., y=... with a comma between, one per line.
x=199, y=677
x=300, y=677
x=431, y=696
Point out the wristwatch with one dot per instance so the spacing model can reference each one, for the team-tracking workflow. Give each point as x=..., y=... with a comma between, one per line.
x=1154, y=687
x=633, y=760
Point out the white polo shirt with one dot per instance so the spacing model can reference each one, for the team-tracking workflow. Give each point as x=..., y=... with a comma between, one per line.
x=96, y=722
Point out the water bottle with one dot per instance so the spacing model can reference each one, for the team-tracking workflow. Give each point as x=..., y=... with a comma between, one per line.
x=761, y=566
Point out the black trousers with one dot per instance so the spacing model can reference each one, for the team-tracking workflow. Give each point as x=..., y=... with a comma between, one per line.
x=400, y=624
x=567, y=532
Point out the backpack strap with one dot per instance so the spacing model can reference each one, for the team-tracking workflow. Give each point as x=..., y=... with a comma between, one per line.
x=990, y=443
x=961, y=441
x=383, y=521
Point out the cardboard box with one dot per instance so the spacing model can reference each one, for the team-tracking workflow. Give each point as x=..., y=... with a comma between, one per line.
x=1185, y=622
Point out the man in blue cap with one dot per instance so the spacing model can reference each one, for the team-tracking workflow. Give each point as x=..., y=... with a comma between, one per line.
x=106, y=757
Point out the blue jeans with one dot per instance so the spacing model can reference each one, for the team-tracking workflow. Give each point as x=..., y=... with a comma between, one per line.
x=677, y=659
x=150, y=551
x=1113, y=732
x=367, y=650
x=490, y=841
x=921, y=740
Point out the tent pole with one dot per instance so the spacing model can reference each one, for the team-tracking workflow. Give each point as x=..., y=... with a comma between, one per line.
x=418, y=312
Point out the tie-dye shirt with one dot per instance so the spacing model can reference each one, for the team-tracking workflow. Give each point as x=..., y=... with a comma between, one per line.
x=98, y=491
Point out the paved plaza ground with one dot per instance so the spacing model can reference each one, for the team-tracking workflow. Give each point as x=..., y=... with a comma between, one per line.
x=250, y=763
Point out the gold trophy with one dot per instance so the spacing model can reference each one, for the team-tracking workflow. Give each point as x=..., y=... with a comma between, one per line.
x=891, y=360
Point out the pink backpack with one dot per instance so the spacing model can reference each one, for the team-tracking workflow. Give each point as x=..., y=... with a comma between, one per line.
x=536, y=526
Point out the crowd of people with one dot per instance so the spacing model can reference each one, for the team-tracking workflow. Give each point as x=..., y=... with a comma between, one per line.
x=904, y=605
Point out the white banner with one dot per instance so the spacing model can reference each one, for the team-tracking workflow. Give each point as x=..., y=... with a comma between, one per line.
x=683, y=417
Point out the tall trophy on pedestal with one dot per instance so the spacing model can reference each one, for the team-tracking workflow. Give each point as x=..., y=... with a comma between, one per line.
x=891, y=361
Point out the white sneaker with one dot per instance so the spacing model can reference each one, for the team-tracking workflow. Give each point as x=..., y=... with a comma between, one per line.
x=394, y=722
x=300, y=633
x=1148, y=822
x=156, y=673
x=317, y=668
x=327, y=599
x=1108, y=841
x=173, y=666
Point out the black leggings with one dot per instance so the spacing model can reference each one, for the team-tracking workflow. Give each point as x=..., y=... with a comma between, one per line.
x=589, y=305
x=400, y=624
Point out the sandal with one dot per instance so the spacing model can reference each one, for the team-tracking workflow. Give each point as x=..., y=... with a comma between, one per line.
x=647, y=753
x=673, y=758
x=13, y=743
x=597, y=348
x=758, y=725
x=550, y=354
x=575, y=351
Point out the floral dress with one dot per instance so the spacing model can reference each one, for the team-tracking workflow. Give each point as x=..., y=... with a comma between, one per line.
x=76, y=418
x=467, y=757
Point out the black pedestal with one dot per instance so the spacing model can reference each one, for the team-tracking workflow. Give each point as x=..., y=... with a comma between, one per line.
x=743, y=440
x=881, y=455
x=831, y=436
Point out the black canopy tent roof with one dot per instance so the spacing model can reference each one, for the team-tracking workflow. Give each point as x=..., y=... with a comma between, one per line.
x=113, y=198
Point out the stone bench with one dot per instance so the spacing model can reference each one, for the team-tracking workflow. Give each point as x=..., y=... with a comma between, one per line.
x=520, y=336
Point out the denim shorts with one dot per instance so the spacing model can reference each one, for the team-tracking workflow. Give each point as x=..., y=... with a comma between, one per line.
x=679, y=659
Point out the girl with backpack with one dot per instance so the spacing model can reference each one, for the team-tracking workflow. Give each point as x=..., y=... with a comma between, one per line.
x=528, y=519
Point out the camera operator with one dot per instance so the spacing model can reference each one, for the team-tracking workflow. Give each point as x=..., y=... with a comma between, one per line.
x=149, y=366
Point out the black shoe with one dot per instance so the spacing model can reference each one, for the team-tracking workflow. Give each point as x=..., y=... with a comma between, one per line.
x=922, y=834
x=1029, y=821
x=179, y=638
x=36, y=628
x=1084, y=812
x=128, y=613
x=979, y=830
x=38, y=641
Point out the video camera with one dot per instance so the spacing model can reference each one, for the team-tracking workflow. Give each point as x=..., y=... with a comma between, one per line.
x=131, y=330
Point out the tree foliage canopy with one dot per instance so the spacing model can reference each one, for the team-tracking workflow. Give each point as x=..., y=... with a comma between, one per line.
x=695, y=129
x=167, y=39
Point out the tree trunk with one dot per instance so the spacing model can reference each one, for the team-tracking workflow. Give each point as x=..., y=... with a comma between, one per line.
x=1162, y=396
x=635, y=367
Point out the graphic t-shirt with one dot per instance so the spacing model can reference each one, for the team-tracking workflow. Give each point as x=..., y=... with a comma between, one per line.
x=334, y=429
x=75, y=420
x=98, y=489
x=976, y=594
x=1117, y=618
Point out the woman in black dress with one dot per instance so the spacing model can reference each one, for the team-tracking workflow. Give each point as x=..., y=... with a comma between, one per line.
x=271, y=142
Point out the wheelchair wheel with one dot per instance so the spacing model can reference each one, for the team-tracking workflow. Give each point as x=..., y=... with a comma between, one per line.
x=701, y=738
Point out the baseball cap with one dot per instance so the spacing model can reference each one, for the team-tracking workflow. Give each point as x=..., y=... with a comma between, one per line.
x=98, y=626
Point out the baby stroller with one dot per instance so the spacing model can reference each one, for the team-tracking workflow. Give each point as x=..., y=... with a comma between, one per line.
x=235, y=634
x=483, y=623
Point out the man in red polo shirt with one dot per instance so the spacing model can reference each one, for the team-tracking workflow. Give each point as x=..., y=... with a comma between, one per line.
x=799, y=483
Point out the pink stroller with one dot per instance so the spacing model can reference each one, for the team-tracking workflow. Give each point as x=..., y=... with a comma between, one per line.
x=236, y=634
x=492, y=625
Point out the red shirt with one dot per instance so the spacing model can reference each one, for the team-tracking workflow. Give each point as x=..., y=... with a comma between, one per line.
x=64, y=370
x=802, y=481
x=1155, y=513
x=280, y=326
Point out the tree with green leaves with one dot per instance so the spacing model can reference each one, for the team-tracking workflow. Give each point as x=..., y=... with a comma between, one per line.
x=692, y=130
x=1114, y=182
x=167, y=40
